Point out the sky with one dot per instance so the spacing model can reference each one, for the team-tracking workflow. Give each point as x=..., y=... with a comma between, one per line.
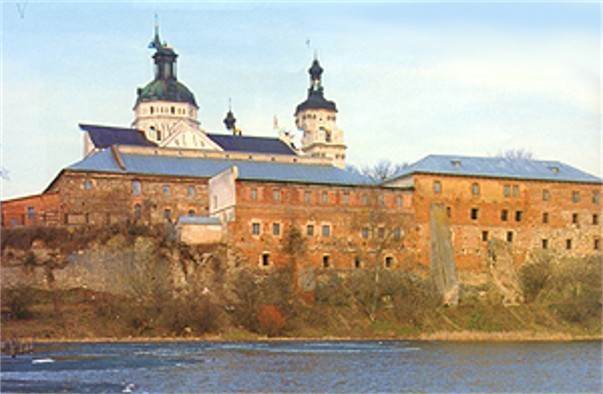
x=409, y=78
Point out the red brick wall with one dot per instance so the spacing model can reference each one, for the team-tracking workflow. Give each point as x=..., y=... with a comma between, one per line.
x=524, y=196
x=343, y=215
x=33, y=210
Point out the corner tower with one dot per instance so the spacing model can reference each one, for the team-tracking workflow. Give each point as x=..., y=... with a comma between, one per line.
x=316, y=118
x=165, y=109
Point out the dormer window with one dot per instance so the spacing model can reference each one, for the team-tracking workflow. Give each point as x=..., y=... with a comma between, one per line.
x=455, y=163
x=554, y=169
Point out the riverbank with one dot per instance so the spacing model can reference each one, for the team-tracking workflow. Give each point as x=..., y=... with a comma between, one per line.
x=517, y=336
x=81, y=315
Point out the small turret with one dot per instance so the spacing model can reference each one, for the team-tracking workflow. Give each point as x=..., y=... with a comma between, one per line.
x=230, y=120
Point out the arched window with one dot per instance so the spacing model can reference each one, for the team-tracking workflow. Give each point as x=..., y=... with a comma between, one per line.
x=191, y=212
x=475, y=189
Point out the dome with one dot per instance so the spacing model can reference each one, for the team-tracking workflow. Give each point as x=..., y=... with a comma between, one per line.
x=316, y=101
x=166, y=90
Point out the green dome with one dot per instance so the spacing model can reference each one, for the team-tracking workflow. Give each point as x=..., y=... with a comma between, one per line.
x=166, y=90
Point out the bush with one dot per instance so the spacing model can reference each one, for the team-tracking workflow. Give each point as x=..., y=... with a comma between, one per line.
x=18, y=301
x=270, y=320
x=533, y=276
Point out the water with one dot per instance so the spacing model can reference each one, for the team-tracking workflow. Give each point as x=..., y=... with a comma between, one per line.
x=293, y=366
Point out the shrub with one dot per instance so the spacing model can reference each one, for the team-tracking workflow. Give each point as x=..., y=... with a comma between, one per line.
x=533, y=276
x=18, y=301
x=270, y=320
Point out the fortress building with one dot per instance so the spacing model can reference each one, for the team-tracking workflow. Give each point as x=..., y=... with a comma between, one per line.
x=259, y=194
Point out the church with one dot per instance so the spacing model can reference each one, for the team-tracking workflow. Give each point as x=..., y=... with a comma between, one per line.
x=272, y=202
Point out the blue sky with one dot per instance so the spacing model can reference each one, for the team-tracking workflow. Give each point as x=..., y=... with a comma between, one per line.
x=409, y=79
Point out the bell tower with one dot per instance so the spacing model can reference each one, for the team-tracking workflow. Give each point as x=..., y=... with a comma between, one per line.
x=316, y=118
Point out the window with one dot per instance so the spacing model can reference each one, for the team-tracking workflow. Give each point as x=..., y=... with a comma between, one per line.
x=448, y=212
x=325, y=197
x=568, y=244
x=166, y=190
x=396, y=234
x=507, y=190
x=253, y=194
x=88, y=184
x=545, y=217
x=437, y=187
x=326, y=230
x=545, y=243
x=597, y=244
x=137, y=211
x=596, y=198
x=576, y=197
x=575, y=218
x=158, y=134
x=365, y=200
x=475, y=189
x=255, y=228
x=167, y=214
x=326, y=261
x=276, y=194
x=545, y=195
x=307, y=196
x=173, y=110
x=484, y=236
x=310, y=230
x=518, y=216
x=191, y=191
x=357, y=262
x=399, y=201
x=381, y=200
x=515, y=191
x=346, y=198
x=265, y=259
x=595, y=218
x=136, y=187
x=504, y=215
x=389, y=261
x=381, y=232
x=276, y=229
x=474, y=213
x=365, y=232
x=30, y=213
x=191, y=212
x=509, y=236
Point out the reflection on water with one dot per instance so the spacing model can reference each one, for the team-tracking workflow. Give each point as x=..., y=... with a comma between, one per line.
x=363, y=366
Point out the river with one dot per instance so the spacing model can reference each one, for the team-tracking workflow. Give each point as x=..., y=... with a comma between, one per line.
x=315, y=366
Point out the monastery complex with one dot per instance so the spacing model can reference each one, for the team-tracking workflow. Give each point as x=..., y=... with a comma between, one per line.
x=264, y=197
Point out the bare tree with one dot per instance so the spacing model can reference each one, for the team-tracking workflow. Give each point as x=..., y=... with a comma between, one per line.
x=382, y=232
x=517, y=154
x=379, y=172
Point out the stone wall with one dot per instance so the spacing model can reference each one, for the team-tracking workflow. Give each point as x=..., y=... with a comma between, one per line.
x=104, y=198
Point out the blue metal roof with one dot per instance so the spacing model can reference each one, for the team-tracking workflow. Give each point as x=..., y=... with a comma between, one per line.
x=104, y=136
x=497, y=167
x=103, y=161
x=204, y=220
x=239, y=143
